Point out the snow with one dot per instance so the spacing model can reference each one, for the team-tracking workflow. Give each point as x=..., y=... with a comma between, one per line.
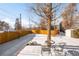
x=1, y=31
x=31, y=51
x=40, y=39
x=18, y=47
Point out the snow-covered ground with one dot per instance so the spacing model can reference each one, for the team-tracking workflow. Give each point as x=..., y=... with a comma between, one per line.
x=18, y=47
x=40, y=39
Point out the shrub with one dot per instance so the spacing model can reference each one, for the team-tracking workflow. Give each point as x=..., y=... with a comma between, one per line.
x=75, y=33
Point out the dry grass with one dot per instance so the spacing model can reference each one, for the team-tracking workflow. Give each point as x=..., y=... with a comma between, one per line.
x=75, y=33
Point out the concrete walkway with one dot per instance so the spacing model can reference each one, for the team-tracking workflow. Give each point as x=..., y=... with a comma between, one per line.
x=13, y=47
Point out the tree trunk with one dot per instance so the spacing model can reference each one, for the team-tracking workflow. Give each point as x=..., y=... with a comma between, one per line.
x=49, y=33
x=49, y=26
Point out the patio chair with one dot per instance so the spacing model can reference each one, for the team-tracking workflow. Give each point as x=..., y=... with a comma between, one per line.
x=58, y=49
x=71, y=50
x=46, y=49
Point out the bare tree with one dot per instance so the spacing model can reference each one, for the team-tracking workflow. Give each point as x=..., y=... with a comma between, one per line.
x=67, y=15
x=4, y=25
x=43, y=24
x=46, y=11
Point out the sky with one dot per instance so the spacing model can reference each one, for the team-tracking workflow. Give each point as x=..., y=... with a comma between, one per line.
x=10, y=11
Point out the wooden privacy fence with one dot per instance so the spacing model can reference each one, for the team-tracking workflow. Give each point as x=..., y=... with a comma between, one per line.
x=8, y=36
x=53, y=32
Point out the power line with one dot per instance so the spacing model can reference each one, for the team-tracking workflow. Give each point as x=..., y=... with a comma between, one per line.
x=7, y=13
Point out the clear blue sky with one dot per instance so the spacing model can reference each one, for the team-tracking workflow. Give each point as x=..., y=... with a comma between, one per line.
x=10, y=11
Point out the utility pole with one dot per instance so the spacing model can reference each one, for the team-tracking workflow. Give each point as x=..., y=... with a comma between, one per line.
x=29, y=23
x=20, y=20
